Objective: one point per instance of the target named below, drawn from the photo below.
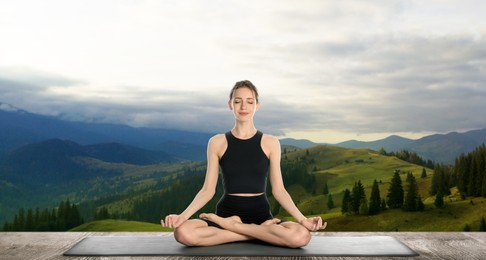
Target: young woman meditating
(247, 158)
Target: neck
(244, 130)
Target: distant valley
(20, 128)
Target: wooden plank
(430, 245)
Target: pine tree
(330, 202)
(395, 192)
(482, 226)
(103, 213)
(383, 204)
(325, 190)
(439, 199)
(74, 217)
(382, 151)
(346, 203)
(467, 228)
(363, 207)
(410, 202)
(29, 221)
(424, 174)
(436, 179)
(20, 225)
(483, 187)
(375, 199)
(357, 195)
(420, 204)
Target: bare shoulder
(217, 144)
(270, 144)
(270, 139)
(216, 139)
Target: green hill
(340, 168)
(453, 217)
(111, 225)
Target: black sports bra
(244, 165)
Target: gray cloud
(354, 66)
(405, 83)
(391, 84)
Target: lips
(243, 113)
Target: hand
(173, 221)
(313, 224)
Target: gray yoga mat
(167, 246)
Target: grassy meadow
(111, 225)
(340, 168)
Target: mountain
(447, 147)
(392, 143)
(301, 143)
(48, 162)
(443, 148)
(19, 128)
(56, 160)
(119, 153)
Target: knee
(300, 238)
(185, 236)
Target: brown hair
(244, 84)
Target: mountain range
(442, 148)
(20, 128)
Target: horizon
(327, 71)
(12, 108)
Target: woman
(246, 157)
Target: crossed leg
(197, 233)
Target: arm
(278, 188)
(279, 191)
(208, 189)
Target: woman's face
(243, 104)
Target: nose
(243, 105)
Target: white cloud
(365, 67)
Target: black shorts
(251, 210)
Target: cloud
(409, 83)
(350, 66)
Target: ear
(230, 105)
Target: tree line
(64, 217)
(408, 156)
(408, 199)
(470, 173)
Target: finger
(169, 220)
(324, 225)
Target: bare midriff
(246, 194)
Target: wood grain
(430, 245)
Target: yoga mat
(168, 246)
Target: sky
(327, 71)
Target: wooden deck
(51, 245)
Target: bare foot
(271, 222)
(226, 223)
